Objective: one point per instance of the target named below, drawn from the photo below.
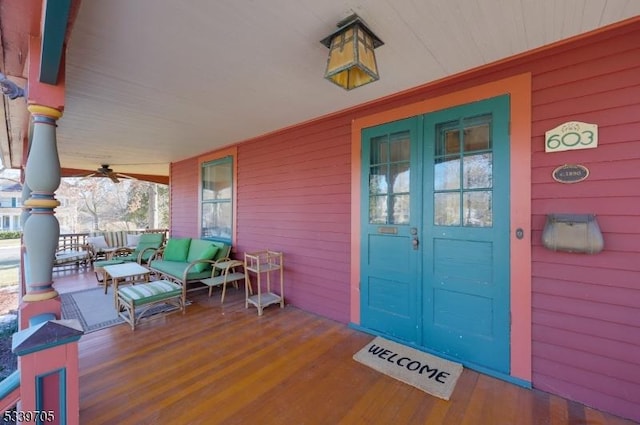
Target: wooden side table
(228, 273)
(263, 263)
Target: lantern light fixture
(352, 62)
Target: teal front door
(435, 227)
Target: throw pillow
(207, 254)
(132, 240)
(177, 249)
(97, 242)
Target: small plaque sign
(388, 230)
(571, 135)
(570, 173)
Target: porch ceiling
(152, 82)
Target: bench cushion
(149, 240)
(177, 268)
(70, 256)
(97, 242)
(102, 263)
(223, 250)
(177, 249)
(150, 292)
(132, 240)
(114, 238)
(201, 250)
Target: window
(389, 175)
(463, 173)
(217, 200)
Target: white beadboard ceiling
(150, 82)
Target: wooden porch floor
(224, 364)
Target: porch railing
(73, 240)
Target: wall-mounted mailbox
(572, 233)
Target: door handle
(414, 240)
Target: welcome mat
(429, 373)
(95, 310)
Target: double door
(435, 232)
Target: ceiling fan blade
(113, 178)
(126, 176)
(83, 176)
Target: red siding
(586, 326)
(184, 188)
(294, 195)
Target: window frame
(211, 159)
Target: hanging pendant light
(352, 62)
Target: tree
(89, 204)
(148, 205)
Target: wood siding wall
(294, 195)
(586, 308)
(184, 187)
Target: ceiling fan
(105, 171)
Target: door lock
(414, 240)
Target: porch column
(26, 212)
(41, 228)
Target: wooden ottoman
(143, 296)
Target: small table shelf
(263, 263)
(228, 273)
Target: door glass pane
(463, 164)
(477, 208)
(378, 209)
(447, 173)
(389, 174)
(477, 138)
(379, 150)
(449, 142)
(477, 171)
(400, 147)
(446, 209)
(400, 209)
(378, 180)
(399, 177)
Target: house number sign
(571, 136)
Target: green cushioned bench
(145, 296)
(187, 260)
